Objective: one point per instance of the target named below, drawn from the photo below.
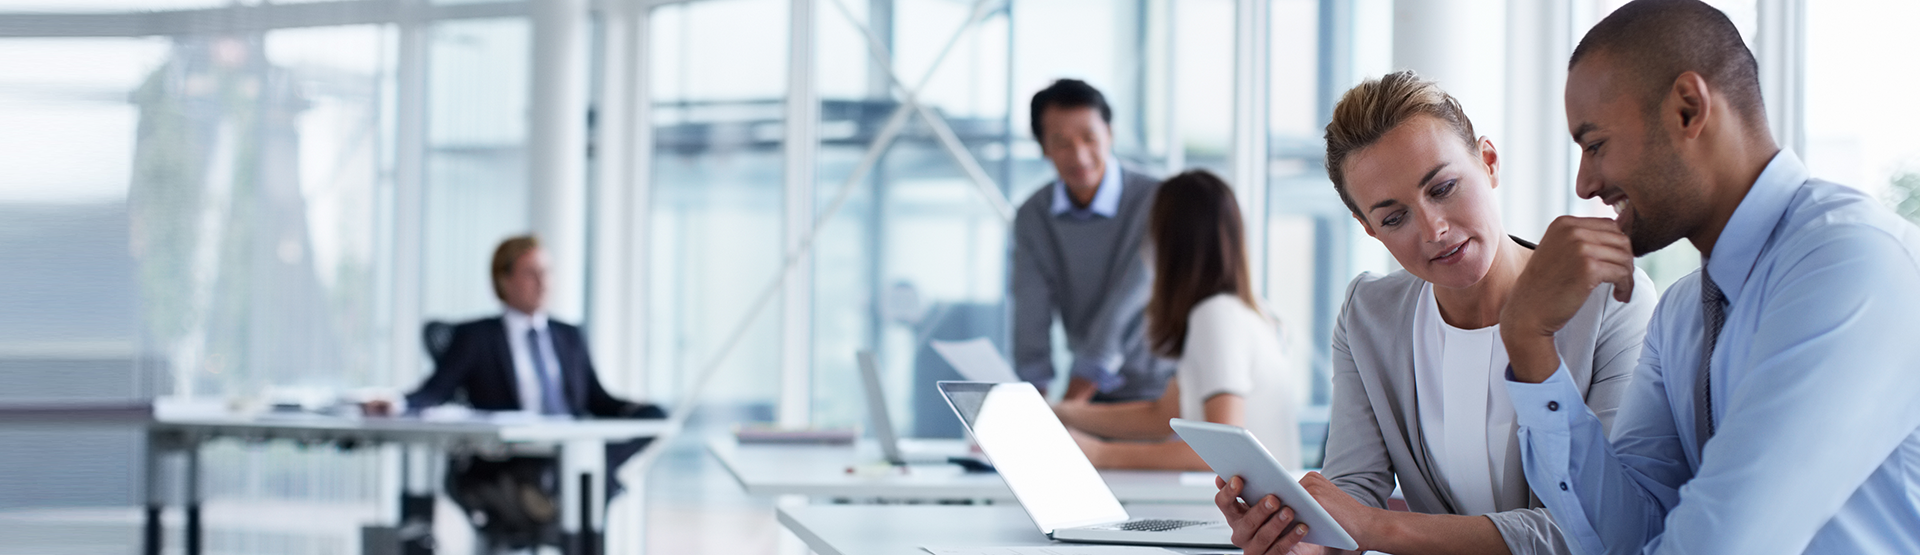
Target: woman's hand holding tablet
(1283, 514)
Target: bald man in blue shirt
(1776, 405)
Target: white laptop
(1052, 479)
(883, 422)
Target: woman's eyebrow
(1430, 173)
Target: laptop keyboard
(1156, 524)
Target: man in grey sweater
(1077, 253)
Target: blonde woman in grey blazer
(1417, 359)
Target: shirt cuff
(1104, 378)
(1546, 414)
(1548, 404)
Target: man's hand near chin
(1575, 256)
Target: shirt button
(1553, 406)
(1563, 486)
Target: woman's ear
(1491, 158)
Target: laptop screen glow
(1031, 449)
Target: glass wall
(1308, 228)
(70, 309)
(201, 215)
(476, 191)
(716, 222)
(1859, 110)
(917, 252)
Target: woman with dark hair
(1231, 369)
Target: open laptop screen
(877, 408)
(1031, 449)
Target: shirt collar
(1747, 232)
(1106, 201)
(518, 322)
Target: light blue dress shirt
(1816, 395)
(1106, 200)
(1105, 374)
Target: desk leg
(583, 502)
(195, 537)
(156, 493)
(416, 500)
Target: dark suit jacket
(478, 365)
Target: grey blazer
(1375, 434)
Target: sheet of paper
(1051, 550)
(976, 359)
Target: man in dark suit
(509, 363)
(522, 361)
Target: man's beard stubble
(1669, 199)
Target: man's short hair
(505, 255)
(1367, 112)
(1068, 93)
(1654, 41)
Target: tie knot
(1709, 291)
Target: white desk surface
(821, 471)
(904, 529)
(209, 419)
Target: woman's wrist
(1377, 527)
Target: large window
(716, 235)
(1859, 110)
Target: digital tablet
(1233, 451)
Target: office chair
(494, 494)
(437, 336)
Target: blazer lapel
(506, 376)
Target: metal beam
(244, 18)
(983, 184)
(802, 140)
(1782, 55)
(1250, 100)
(607, 278)
(557, 148)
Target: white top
(525, 378)
(1460, 378)
(1232, 348)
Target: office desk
(820, 471)
(181, 428)
(904, 529)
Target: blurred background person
(1231, 369)
(522, 361)
(1075, 243)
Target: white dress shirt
(1816, 395)
(526, 377)
(1459, 375)
(1232, 348)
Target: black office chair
(437, 336)
(504, 514)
